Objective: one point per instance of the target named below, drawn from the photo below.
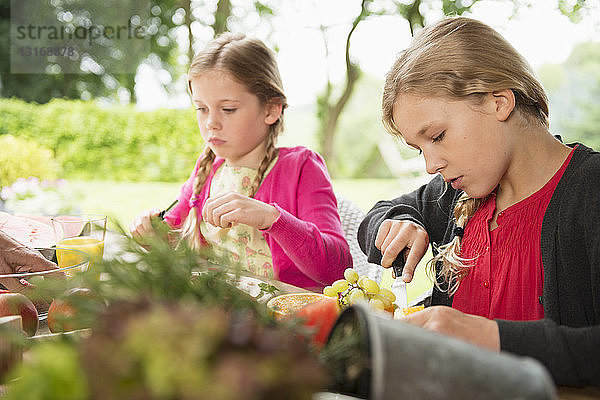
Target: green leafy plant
(174, 328)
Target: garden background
(118, 143)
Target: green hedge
(91, 141)
(21, 158)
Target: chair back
(351, 216)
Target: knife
(398, 285)
(161, 214)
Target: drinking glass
(80, 232)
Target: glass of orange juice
(80, 232)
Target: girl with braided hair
(512, 213)
(270, 209)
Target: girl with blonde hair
(511, 213)
(271, 210)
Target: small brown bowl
(284, 305)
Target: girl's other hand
(396, 236)
(233, 208)
(141, 226)
(474, 329)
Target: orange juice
(91, 246)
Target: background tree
(179, 28)
(164, 22)
(329, 106)
(574, 92)
(334, 99)
(99, 82)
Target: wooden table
(569, 393)
(564, 393)
(285, 288)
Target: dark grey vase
(383, 359)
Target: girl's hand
(474, 329)
(141, 226)
(233, 208)
(396, 236)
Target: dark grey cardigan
(567, 340)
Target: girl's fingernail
(406, 277)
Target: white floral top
(244, 245)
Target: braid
(203, 169)
(454, 267)
(189, 229)
(252, 64)
(270, 154)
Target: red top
(507, 276)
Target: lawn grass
(122, 201)
(420, 283)
(366, 192)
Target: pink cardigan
(307, 243)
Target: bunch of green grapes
(354, 288)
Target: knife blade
(398, 286)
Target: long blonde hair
(462, 59)
(250, 62)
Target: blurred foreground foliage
(91, 141)
(170, 327)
